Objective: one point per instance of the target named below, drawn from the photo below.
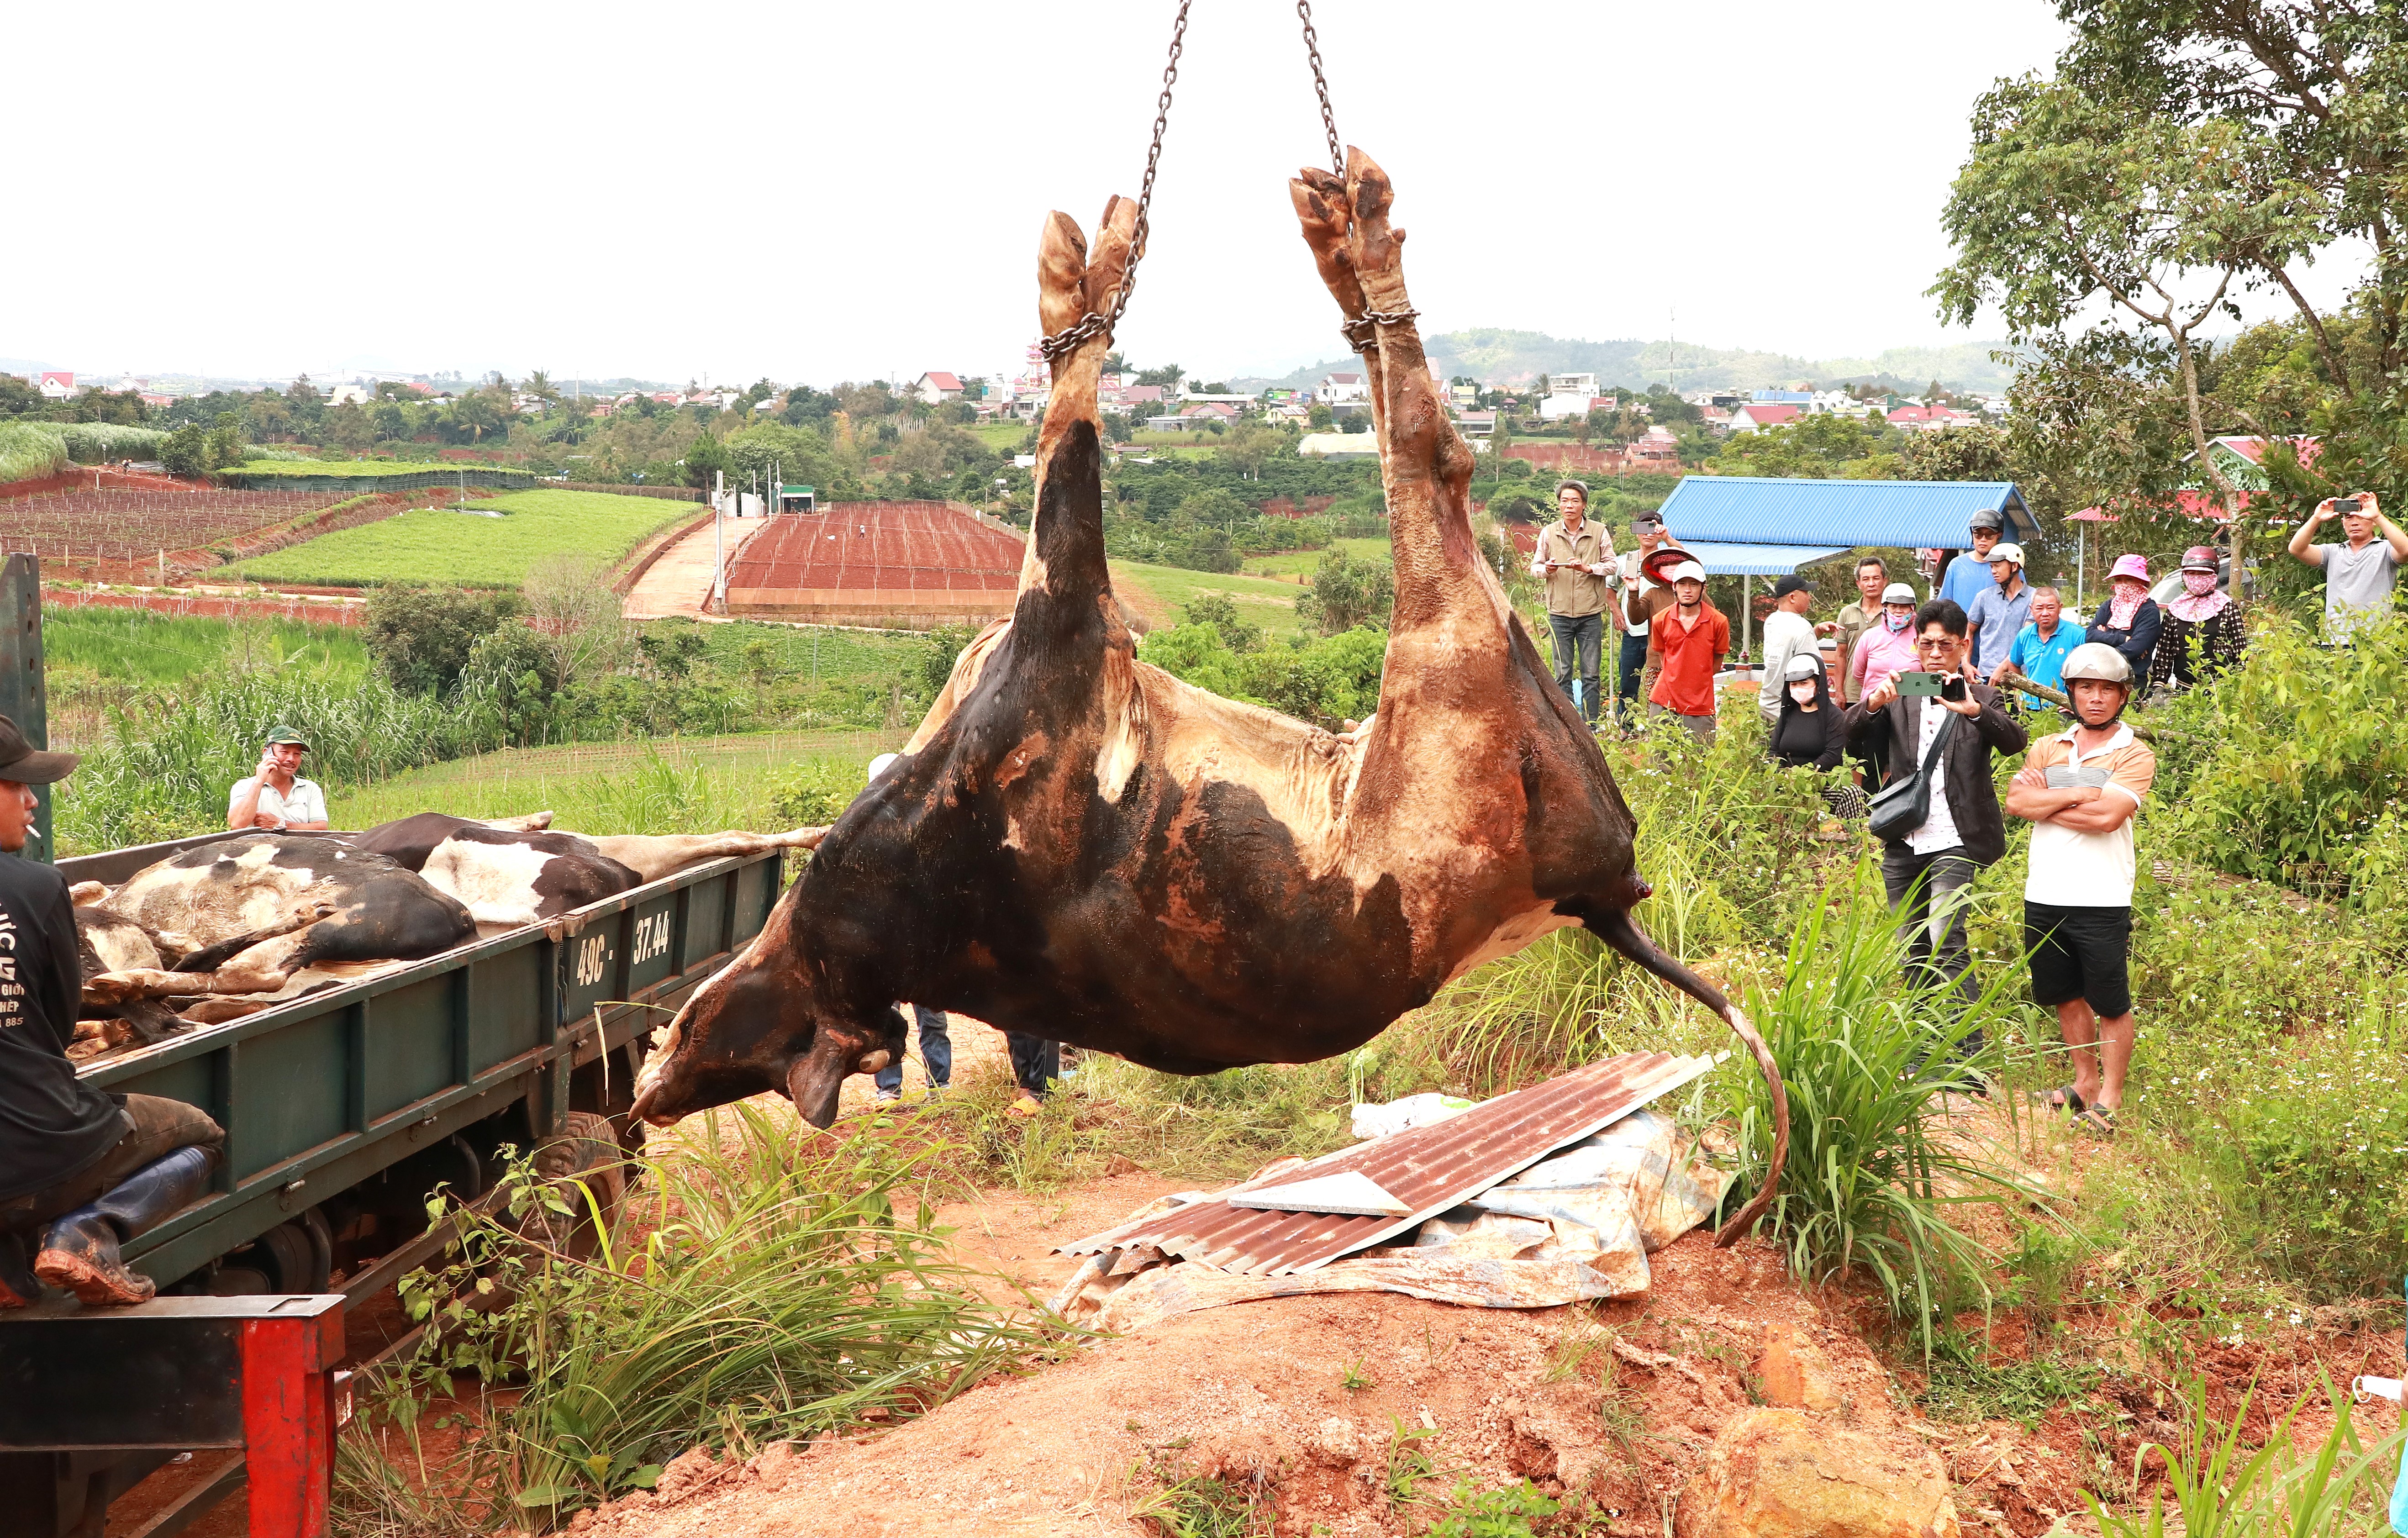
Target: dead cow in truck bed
(514, 871)
(257, 910)
(1079, 846)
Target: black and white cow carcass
(510, 872)
(253, 911)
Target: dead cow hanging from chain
(1078, 845)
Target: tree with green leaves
(704, 458)
(1348, 591)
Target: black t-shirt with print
(53, 1125)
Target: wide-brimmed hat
(2134, 566)
(2199, 558)
(1663, 560)
(1898, 592)
(28, 765)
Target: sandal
(2063, 1098)
(2098, 1121)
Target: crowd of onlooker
(1918, 693)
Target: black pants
(1930, 891)
(1634, 664)
(1580, 636)
(159, 1128)
(1035, 1062)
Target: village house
(1339, 389)
(936, 388)
(1930, 419)
(58, 386)
(1756, 416)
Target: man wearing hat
(276, 797)
(1970, 573)
(1639, 596)
(1574, 558)
(1998, 613)
(1788, 633)
(1685, 650)
(79, 1170)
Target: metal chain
(1320, 88)
(1090, 323)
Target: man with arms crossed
(2079, 790)
(2359, 572)
(276, 797)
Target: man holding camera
(2079, 789)
(1928, 868)
(1574, 558)
(2358, 573)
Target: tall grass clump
(1866, 1056)
(29, 451)
(757, 1287)
(2282, 1490)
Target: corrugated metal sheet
(1721, 559)
(1430, 1169)
(1916, 514)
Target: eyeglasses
(1926, 643)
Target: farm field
(357, 466)
(1293, 562)
(1002, 436)
(128, 526)
(692, 784)
(471, 548)
(1159, 592)
(96, 658)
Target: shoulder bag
(1905, 804)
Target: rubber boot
(79, 1253)
(18, 1288)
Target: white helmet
(1805, 665)
(1898, 592)
(2095, 659)
(1685, 572)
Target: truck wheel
(288, 1258)
(587, 1150)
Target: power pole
(718, 545)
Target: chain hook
(1320, 88)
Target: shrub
(1347, 592)
(420, 637)
(817, 793)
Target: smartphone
(1954, 688)
(1926, 685)
(2346, 504)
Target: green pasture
(265, 467)
(693, 784)
(1289, 563)
(1161, 592)
(1002, 436)
(471, 548)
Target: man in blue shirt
(1970, 573)
(2041, 646)
(2000, 611)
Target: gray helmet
(2096, 659)
(1985, 518)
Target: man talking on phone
(276, 797)
(2358, 573)
(1928, 869)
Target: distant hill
(1519, 357)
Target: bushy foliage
(816, 793)
(1348, 591)
(1326, 681)
(420, 637)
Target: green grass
(1002, 436)
(137, 646)
(361, 466)
(1160, 592)
(443, 546)
(1291, 562)
(681, 785)
(801, 652)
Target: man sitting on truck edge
(276, 797)
(96, 1169)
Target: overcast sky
(816, 191)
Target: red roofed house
(55, 386)
(1756, 416)
(1926, 418)
(936, 389)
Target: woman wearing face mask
(2202, 634)
(1810, 733)
(2130, 620)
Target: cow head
(762, 1023)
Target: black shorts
(2080, 953)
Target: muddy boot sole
(93, 1286)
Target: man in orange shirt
(1686, 647)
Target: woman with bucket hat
(2130, 620)
(2202, 634)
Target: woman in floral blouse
(2202, 635)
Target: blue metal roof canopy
(1767, 511)
(1728, 560)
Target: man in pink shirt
(1885, 649)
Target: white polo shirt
(2075, 869)
(304, 803)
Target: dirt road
(679, 580)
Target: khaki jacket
(1572, 593)
(1853, 620)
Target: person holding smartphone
(1929, 871)
(2360, 571)
(1575, 556)
(276, 797)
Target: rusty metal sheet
(1429, 1169)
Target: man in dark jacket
(82, 1170)
(1929, 871)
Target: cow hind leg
(652, 855)
(210, 958)
(1615, 928)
